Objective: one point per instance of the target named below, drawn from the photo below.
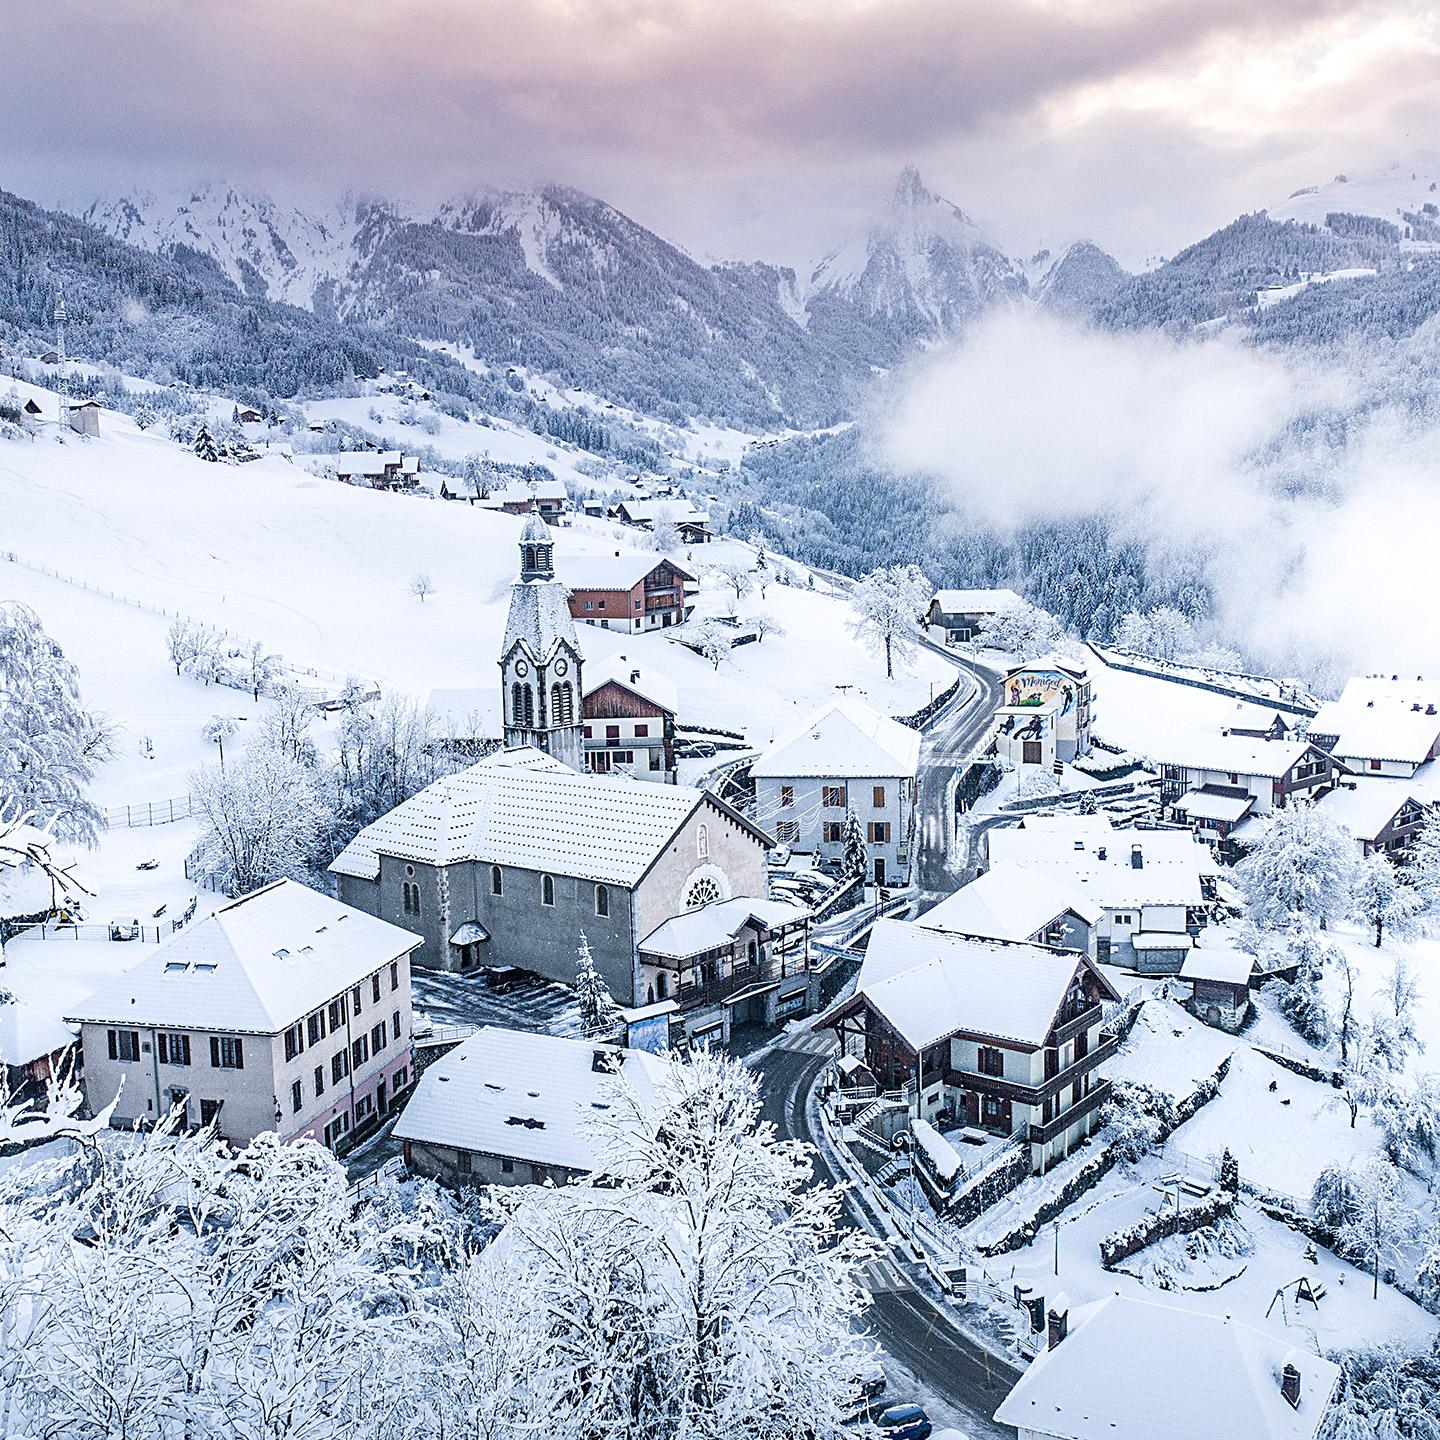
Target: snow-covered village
(760, 807)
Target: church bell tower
(540, 660)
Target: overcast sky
(737, 127)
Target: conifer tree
(600, 1017)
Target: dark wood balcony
(1025, 1093)
(1067, 1030)
(1040, 1134)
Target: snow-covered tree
(736, 574)
(384, 754)
(1383, 1221)
(1302, 866)
(263, 815)
(1381, 900)
(285, 726)
(1025, 631)
(665, 536)
(888, 605)
(855, 858)
(1423, 866)
(204, 446)
(764, 623)
(421, 585)
(261, 668)
(50, 744)
(1386, 1393)
(217, 730)
(708, 637)
(145, 415)
(600, 1017)
(182, 641)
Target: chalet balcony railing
(1040, 1134)
(1028, 1094)
(726, 987)
(1069, 1029)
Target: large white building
(284, 1010)
(1150, 884)
(1129, 1369)
(845, 757)
(1381, 725)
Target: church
(509, 862)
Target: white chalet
(846, 756)
(1216, 781)
(1381, 726)
(1011, 902)
(1381, 815)
(1150, 884)
(1005, 1037)
(1126, 1369)
(284, 1010)
(509, 1107)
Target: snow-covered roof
(1364, 806)
(1133, 1369)
(682, 512)
(516, 1093)
(461, 712)
(930, 984)
(1208, 803)
(976, 602)
(1218, 963)
(258, 964)
(613, 572)
(542, 816)
(1161, 940)
(1378, 729)
(535, 531)
(1100, 862)
(1399, 690)
(844, 739)
(28, 1034)
(1066, 664)
(717, 924)
(644, 680)
(1234, 754)
(539, 616)
(523, 491)
(1009, 902)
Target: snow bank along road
(907, 1323)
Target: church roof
(539, 616)
(534, 531)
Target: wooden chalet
(993, 1036)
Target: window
(878, 832)
(394, 975)
(315, 1027)
(377, 1038)
(375, 987)
(589, 732)
(402, 1078)
(497, 880)
(210, 1111)
(410, 897)
(991, 1060)
(877, 797)
(702, 892)
(337, 1013)
(507, 1165)
(359, 1051)
(1122, 919)
(602, 900)
(612, 732)
(834, 797)
(642, 732)
(589, 604)
(355, 1001)
(227, 1052)
(339, 1066)
(297, 1097)
(655, 759)
(787, 796)
(787, 832)
(364, 1107)
(294, 1040)
(336, 1130)
(319, 1081)
(395, 1025)
(547, 889)
(124, 1044)
(601, 604)
(832, 832)
(702, 842)
(562, 704)
(1375, 764)
(991, 1110)
(173, 1049)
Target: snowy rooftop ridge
(644, 680)
(717, 924)
(976, 602)
(846, 738)
(1135, 1370)
(1009, 902)
(613, 572)
(256, 965)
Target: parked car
(903, 1422)
(780, 855)
(866, 1390)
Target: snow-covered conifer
(600, 1017)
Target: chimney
(1137, 858)
(1100, 852)
(1059, 1327)
(1290, 1386)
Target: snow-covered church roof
(846, 739)
(1133, 1369)
(539, 617)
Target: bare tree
(421, 585)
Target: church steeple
(540, 660)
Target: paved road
(950, 742)
(912, 1329)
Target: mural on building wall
(1038, 687)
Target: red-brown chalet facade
(985, 1034)
(629, 713)
(631, 593)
